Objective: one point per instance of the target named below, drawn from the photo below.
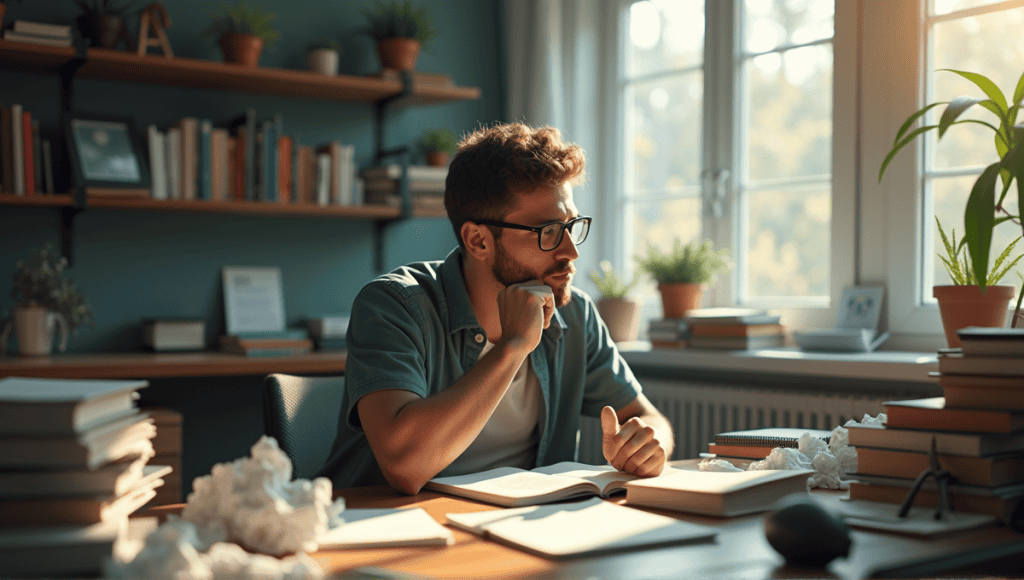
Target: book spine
(250, 154)
(37, 158)
(18, 147)
(29, 153)
(60, 31)
(157, 160)
(284, 169)
(323, 179)
(174, 162)
(7, 148)
(204, 184)
(48, 167)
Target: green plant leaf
(910, 121)
(985, 85)
(979, 218)
(956, 108)
(1018, 93)
(896, 148)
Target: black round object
(806, 535)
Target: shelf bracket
(67, 73)
(380, 154)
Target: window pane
(967, 44)
(788, 242)
(664, 35)
(789, 99)
(665, 132)
(661, 222)
(950, 195)
(940, 7)
(769, 24)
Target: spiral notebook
(758, 443)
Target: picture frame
(861, 307)
(106, 157)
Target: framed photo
(861, 307)
(105, 156)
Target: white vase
(622, 315)
(323, 61)
(35, 327)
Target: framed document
(253, 300)
(105, 156)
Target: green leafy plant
(959, 267)
(696, 262)
(240, 18)
(40, 281)
(609, 285)
(438, 140)
(106, 7)
(325, 45)
(398, 19)
(984, 210)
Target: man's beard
(508, 271)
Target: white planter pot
(323, 61)
(622, 315)
(35, 327)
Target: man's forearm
(428, 434)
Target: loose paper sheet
(253, 300)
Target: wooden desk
(740, 550)
(149, 365)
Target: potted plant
(962, 304)
(242, 32)
(101, 20)
(438, 145)
(400, 31)
(44, 300)
(984, 210)
(618, 310)
(322, 57)
(684, 273)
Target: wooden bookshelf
(102, 63)
(244, 207)
(147, 365)
(44, 200)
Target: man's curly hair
(494, 164)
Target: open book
(575, 529)
(372, 528)
(513, 487)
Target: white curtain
(558, 76)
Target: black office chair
(302, 414)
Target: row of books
(719, 328)
(977, 427)
(26, 161)
(39, 33)
(74, 463)
(426, 186)
(250, 160)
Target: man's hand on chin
(631, 447)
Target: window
(727, 134)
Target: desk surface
(740, 550)
(147, 365)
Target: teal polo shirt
(414, 329)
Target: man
(490, 357)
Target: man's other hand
(632, 446)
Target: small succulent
(398, 19)
(240, 18)
(609, 284)
(40, 282)
(438, 140)
(106, 7)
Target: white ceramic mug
(34, 327)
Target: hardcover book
(958, 363)
(63, 406)
(717, 493)
(986, 471)
(933, 413)
(969, 444)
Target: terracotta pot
(437, 159)
(622, 315)
(241, 49)
(35, 327)
(101, 29)
(963, 306)
(323, 61)
(678, 297)
(398, 53)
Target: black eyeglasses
(549, 236)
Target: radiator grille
(698, 411)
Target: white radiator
(698, 411)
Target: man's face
(517, 256)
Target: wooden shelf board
(243, 207)
(45, 200)
(144, 365)
(28, 57)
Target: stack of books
(382, 185)
(734, 328)
(74, 460)
(26, 163)
(284, 343)
(39, 33)
(668, 333)
(756, 444)
(329, 332)
(978, 429)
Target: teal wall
(133, 265)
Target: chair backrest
(302, 413)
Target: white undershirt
(511, 434)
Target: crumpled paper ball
(252, 501)
(830, 461)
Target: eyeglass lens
(551, 235)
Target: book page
(589, 526)
(605, 477)
(510, 483)
(367, 528)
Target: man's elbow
(403, 475)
